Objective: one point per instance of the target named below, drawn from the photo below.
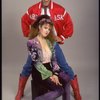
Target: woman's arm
(35, 55)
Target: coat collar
(36, 42)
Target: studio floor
(88, 81)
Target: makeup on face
(45, 29)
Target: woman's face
(44, 30)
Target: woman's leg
(65, 80)
(23, 78)
(54, 91)
(66, 94)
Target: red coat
(62, 20)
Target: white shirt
(46, 55)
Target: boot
(22, 83)
(75, 87)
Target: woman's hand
(55, 79)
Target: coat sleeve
(25, 24)
(68, 25)
(26, 20)
(35, 55)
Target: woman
(40, 47)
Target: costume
(45, 70)
(60, 18)
(63, 20)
